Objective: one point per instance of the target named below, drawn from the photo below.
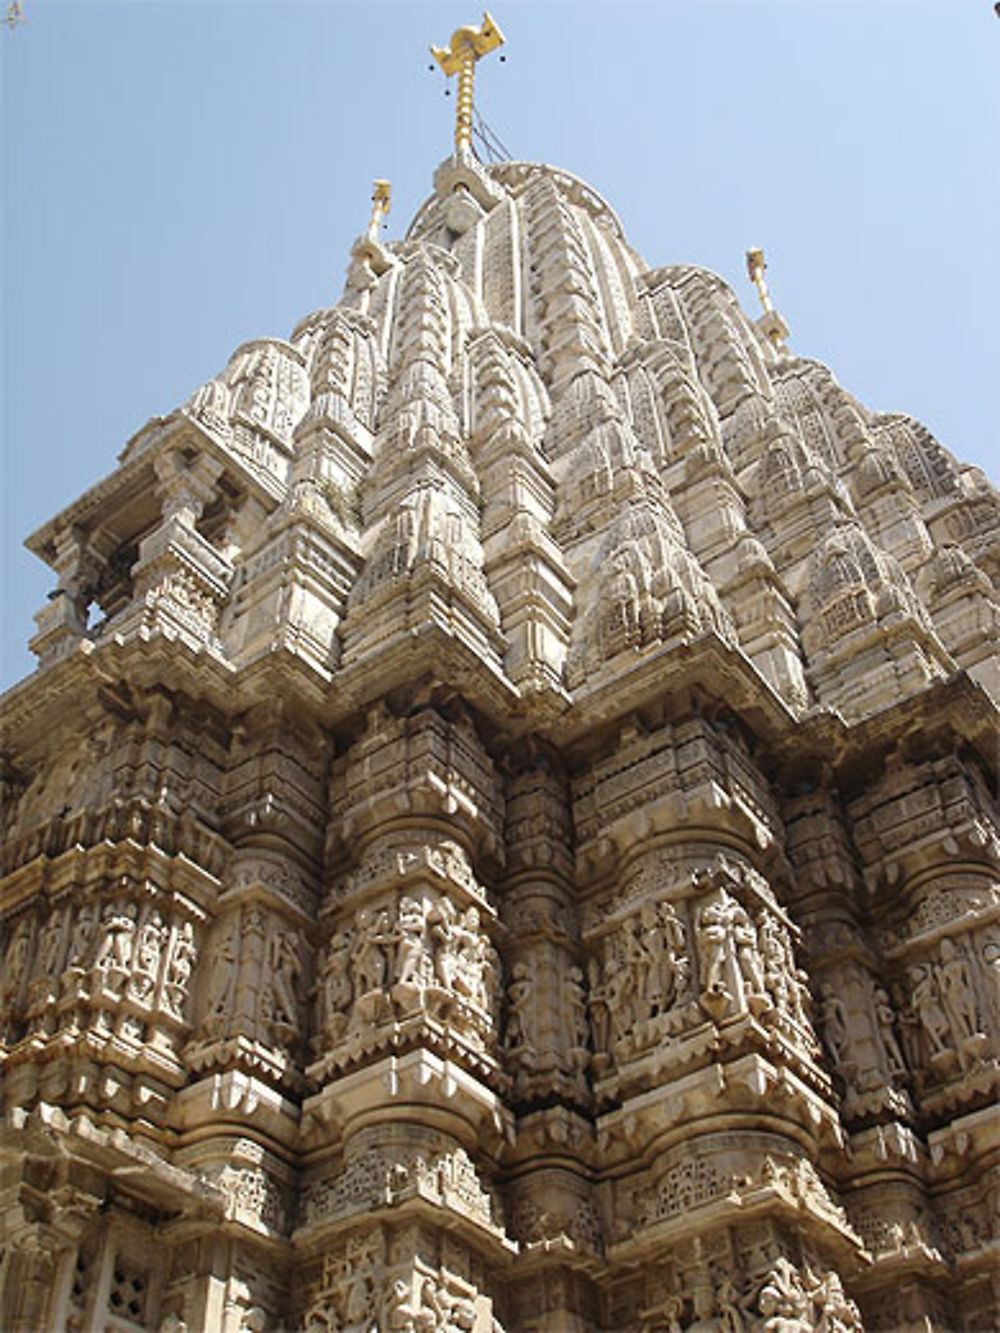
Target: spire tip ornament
(770, 323)
(381, 198)
(467, 45)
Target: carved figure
(286, 968)
(520, 992)
(776, 968)
(834, 1022)
(619, 985)
(16, 964)
(713, 940)
(411, 953)
(49, 944)
(600, 1013)
(224, 957)
(336, 990)
(747, 955)
(730, 1315)
(358, 1298)
(467, 957)
(114, 954)
(885, 1018)
(834, 1312)
(146, 963)
(927, 1007)
(180, 966)
(82, 936)
(368, 964)
(576, 1004)
(783, 1303)
(957, 996)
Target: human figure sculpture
(335, 990)
(146, 964)
(834, 1312)
(957, 996)
(520, 992)
(619, 984)
(411, 953)
(16, 964)
(927, 1007)
(368, 963)
(833, 1019)
(223, 967)
(177, 981)
(783, 1302)
(885, 1017)
(468, 957)
(600, 1014)
(730, 1315)
(576, 1005)
(441, 923)
(286, 968)
(82, 936)
(114, 954)
(713, 938)
(747, 955)
(49, 946)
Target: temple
(502, 836)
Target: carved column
(409, 1108)
(552, 1207)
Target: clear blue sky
(181, 176)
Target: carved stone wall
(503, 834)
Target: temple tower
(503, 832)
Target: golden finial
(770, 324)
(459, 57)
(380, 206)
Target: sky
(180, 176)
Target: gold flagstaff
(771, 324)
(381, 195)
(467, 45)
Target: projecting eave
(124, 500)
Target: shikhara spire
(503, 833)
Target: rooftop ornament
(467, 45)
(770, 323)
(381, 195)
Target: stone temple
(502, 835)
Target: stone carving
(731, 970)
(520, 996)
(225, 954)
(639, 990)
(944, 1015)
(418, 954)
(792, 1302)
(180, 967)
(284, 950)
(150, 939)
(114, 953)
(529, 600)
(858, 1024)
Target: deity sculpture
(177, 981)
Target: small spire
(467, 45)
(381, 195)
(770, 323)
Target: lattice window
(129, 1288)
(82, 1275)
